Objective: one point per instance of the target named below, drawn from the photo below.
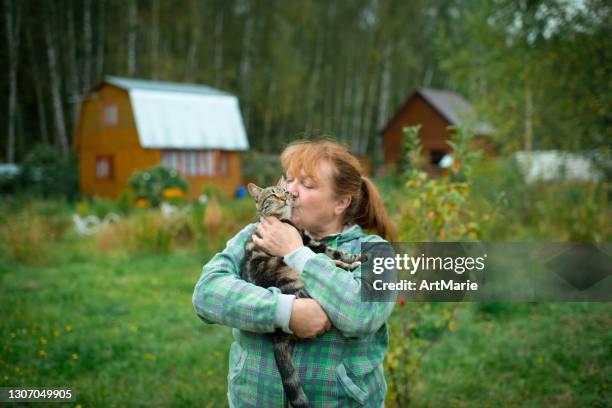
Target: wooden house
(434, 110)
(126, 125)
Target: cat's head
(275, 201)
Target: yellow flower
(43, 341)
(68, 328)
(173, 192)
(42, 353)
(210, 373)
(13, 335)
(452, 326)
(56, 332)
(17, 369)
(150, 356)
(134, 328)
(75, 356)
(6, 377)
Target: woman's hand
(308, 319)
(277, 238)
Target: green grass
(120, 330)
(541, 354)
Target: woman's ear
(342, 204)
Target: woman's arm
(339, 292)
(221, 296)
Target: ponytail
(370, 212)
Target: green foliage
(45, 173)
(535, 70)
(414, 329)
(156, 183)
(260, 168)
(438, 209)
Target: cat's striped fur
(265, 270)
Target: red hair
(367, 208)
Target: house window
(110, 115)
(190, 163)
(435, 156)
(104, 167)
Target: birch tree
(12, 12)
(132, 28)
(58, 109)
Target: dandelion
(68, 328)
(75, 356)
(56, 332)
(452, 326)
(78, 406)
(150, 357)
(43, 341)
(17, 369)
(42, 353)
(134, 328)
(6, 377)
(210, 373)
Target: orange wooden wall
(433, 133)
(121, 141)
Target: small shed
(434, 110)
(126, 125)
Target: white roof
(548, 165)
(182, 116)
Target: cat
(265, 270)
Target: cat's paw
(364, 257)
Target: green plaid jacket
(341, 368)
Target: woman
(344, 341)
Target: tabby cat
(265, 270)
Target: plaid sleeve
(221, 296)
(339, 294)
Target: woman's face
(316, 207)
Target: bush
(157, 184)
(45, 173)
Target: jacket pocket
(236, 369)
(350, 387)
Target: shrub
(45, 173)
(157, 184)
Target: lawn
(120, 330)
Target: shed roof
(456, 110)
(182, 116)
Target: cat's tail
(288, 373)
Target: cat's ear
(282, 182)
(254, 191)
